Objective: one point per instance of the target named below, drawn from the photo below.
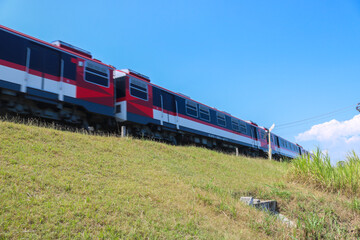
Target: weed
(228, 211)
(283, 194)
(314, 225)
(355, 204)
(266, 224)
(207, 201)
(68, 188)
(317, 169)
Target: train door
(276, 143)
(279, 143)
(44, 69)
(169, 112)
(254, 135)
(35, 62)
(263, 140)
(52, 72)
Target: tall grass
(317, 169)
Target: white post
(269, 136)
(123, 131)
(61, 83)
(237, 151)
(25, 82)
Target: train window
(69, 70)
(36, 58)
(118, 109)
(191, 108)
(267, 137)
(277, 141)
(253, 132)
(96, 73)
(12, 48)
(52, 62)
(45, 60)
(120, 87)
(262, 134)
(204, 113)
(138, 89)
(156, 92)
(242, 127)
(168, 101)
(235, 124)
(221, 119)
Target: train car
(282, 147)
(57, 81)
(152, 111)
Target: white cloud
(337, 137)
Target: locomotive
(65, 83)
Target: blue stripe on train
(43, 94)
(132, 117)
(9, 85)
(90, 106)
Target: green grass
(344, 177)
(72, 185)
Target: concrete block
(267, 205)
(247, 200)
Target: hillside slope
(58, 184)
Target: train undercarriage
(17, 103)
(170, 136)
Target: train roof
(60, 46)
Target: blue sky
(265, 61)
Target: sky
(266, 61)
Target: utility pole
(269, 136)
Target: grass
(73, 185)
(344, 177)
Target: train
(62, 82)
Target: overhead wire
(315, 118)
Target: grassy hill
(57, 184)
